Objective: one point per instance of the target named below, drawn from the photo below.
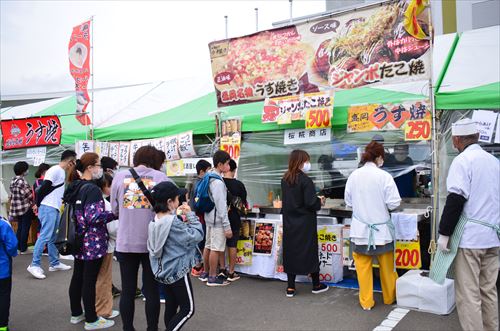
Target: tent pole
(435, 149)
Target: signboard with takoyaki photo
(264, 238)
(385, 43)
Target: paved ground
(248, 304)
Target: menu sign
(372, 45)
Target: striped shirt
(21, 196)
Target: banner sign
(79, 67)
(409, 116)
(30, 132)
(186, 145)
(330, 253)
(36, 154)
(231, 137)
(102, 148)
(315, 108)
(83, 146)
(244, 252)
(371, 45)
(305, 136)
(123, 154)
(485, 120)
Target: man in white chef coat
(470, 227)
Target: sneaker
(367, 309)
(320, 289)
(217, 281)
(114, 313)
(25, 252)
(101, 323)
(223, 273)
(45, 254)
(290, 292)
(138, 293)
(163, 300)
(203, 276)
(77, 319)
(196, 272)
(115, 291)
(60, 267)
(233, 277)
(37, 272)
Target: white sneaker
(101, 323)
(114, 313)
(77, 319)
(37, 272)
(60, 266)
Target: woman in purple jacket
(91, 231)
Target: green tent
(471, 77)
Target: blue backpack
(202, 201)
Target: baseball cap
(166, 190)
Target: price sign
(418, 130)
(231, 146)
(408, 255)
(318, 118)
(244, 252)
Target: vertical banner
(101, 148)
(84, 146)
(114, 150)
(231, 137)
(79, 66)
(123, 154)
(186, 146)
(330, 253)
(171, 148)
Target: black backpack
(68, 242)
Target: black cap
(378, 138)
(166, 190)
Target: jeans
(179, 306)
(49, 219)
(82, 286)
(129, 268)
(5, 289)
(23, 230)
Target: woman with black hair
(91, 218)
(21, 202)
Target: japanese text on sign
(391, 116)
(244, 252)
(29, 132)
(297, 106)
(330, 253)
(306, 136)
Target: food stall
(330, 86)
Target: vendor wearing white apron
(469, 230)
(372, 192)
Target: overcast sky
(135, 41)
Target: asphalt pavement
(247, 304)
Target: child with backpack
(8, 250)
(172, 245)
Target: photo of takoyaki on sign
(264, 238)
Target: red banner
(79, 66)
(30, 132)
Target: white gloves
(443, 243)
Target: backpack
(68, 242)
(202, 201)
(39, 197)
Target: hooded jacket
(173, 246)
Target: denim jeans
(49, 219)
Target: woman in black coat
(300, 237)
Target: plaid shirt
(21, 196)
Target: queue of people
(171, 233)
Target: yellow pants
(388, 278)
